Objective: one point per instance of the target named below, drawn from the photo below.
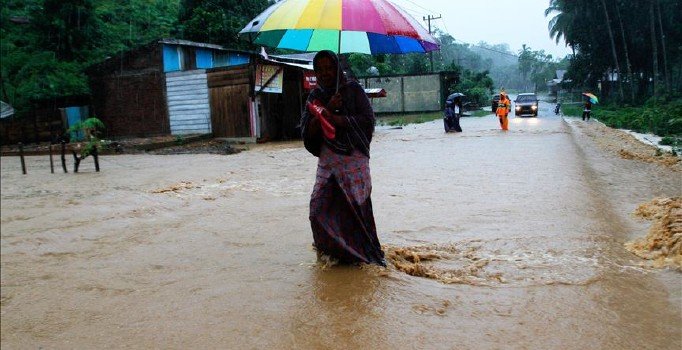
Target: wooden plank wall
(229, 100)
(188, 102)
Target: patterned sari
(341, 214)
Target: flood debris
(439, 309)
(663, 243)
(421, 261)
(665, 159)
(179, 187)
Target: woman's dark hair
(325, 53)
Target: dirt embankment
(628, 147)
(663, 243)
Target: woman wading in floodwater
(337, 127)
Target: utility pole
(428, 19)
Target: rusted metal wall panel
(188, 102)
(131, 105)
(128, 94)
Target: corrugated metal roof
(6, 110)
(172, 41)
(298, 65)
(298, 57)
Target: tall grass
(658, 116)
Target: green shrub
(91, 128)
(668, 141)
(656, 116)
(572, 110)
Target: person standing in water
(502, 112)
(337, 127)
(453, 111)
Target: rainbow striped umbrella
(594, 99)
(342, 26)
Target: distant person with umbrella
(453, 111)
(337, 128)
(589, 100)
(503, 108)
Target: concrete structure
(410, 93)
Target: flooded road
(521, 235)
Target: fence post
(51, 160)
(76, 161)
(64, 156)
(95, 156)
(21, 155)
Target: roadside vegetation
(660, 117)
(626, 52)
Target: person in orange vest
(503, 108)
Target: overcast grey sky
(515, 22)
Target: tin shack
(179, 87)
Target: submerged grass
(404, 119)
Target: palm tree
(665, 55)
(613, 50)
(654, 46)
(562, 24)
(631, 77)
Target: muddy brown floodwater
(495, 240)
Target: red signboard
(309, 80)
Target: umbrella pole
(338, 64)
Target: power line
(423, 8)
(493, 50)
(413, 11)
(481, 47)
(429, 18)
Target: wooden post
(76, 161)
(51, 160)
(21, 155)
(95, 156)
(64, 156)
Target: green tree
(45, 45)
(218, 21)
(647, 30)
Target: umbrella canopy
(455, 95)
(342, 26)
(592, 97)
